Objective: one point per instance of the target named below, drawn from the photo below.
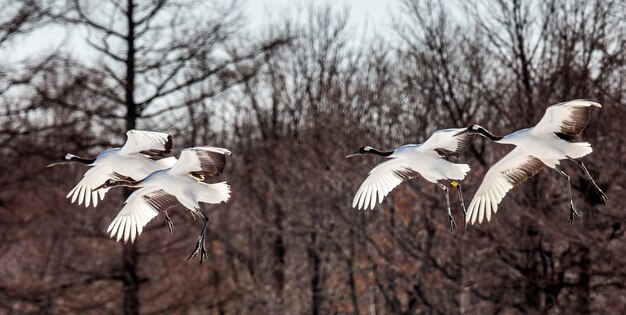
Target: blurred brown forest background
(290, 101)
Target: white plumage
(165, 188)
(141, 155)
(409, 161)
(545, 144)
(499, 180)
(406, 162)
(136, 213)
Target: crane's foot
(603, 196)
(452, 223)
(572, 212)
(200, 250)
(170, 225)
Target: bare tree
(160, 50)
(291, 105)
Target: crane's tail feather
(215, 193)
(579, 149)
(457, 171)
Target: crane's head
(108, 184)
(473, 129)
(477, 129)
(68, 158)
(362, 150)
(115, 183)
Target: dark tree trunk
(130, 256)
(583, 297)
(532, 292)
(131, 282)
(315, 265)
(351, 274)
(279, 249)
(131, 107)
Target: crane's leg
(200, 249)
(452, 223)
(170, 225)
(459, 190)
(584, 168)
(572, 209)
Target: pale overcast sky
(361, 11)
(373, 15)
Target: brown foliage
(290, 106)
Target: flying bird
(545, 144)
(428, 159)
(163, 189)
(143, 153)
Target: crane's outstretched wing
(381, 180)
(155, 145)
(567, 120)
(94, 177)
(445, 143)
(140, 207)
(512, 170)
(98, 175)
(200, 162)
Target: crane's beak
(352, 154)
(55, 163)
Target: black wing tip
(212, 163)
(446, 153)
(565, 136)
(155, 154)
(524, 171)
(464, 142)
(218, 150)
(168, 144)
(576, 124)
(406, 174)
(160, 200)
(119, 176)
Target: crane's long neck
(127, 183)
(71, 158)
(485, 133)
(371, 150)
